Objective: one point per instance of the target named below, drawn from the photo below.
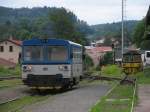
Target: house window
(10, 48)
(1, 48)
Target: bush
(87, 62)
(107, 59)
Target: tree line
(43, 22)
(141, 36)
(113, 30)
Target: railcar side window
(33, 53)
(57, 53)
(77, 52)
(148, 54)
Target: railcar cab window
(57, 53)
(33, 53)
(127, 58)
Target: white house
(10, 51)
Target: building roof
(100, 41)
(99, 49)
(88, 47)
(102, 49)
(16, 42)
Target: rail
(9, 78)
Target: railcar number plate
(45, 69)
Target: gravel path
(77, 100)
(144, 99)
(12, 93)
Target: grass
(9, 83)
(112, 71)
(108, 71)
(112, 102)
(116, 104)
(143, 77)
(121, 92)
(5, 72)
(16, 106)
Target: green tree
(138, 33)
(87, 62)
(65, 25)
(107, 59)
(25, 23)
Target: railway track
(13, 93)
(11, 100)
(9, 78)
(124, 80)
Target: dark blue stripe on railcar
(47, 42)
(45, 63)
(50, 42)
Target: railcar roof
(36, 41)
(132, 52)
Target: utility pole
(122, 27)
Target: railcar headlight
(27, 68)
(60, 67)
(63, 68)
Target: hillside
(42, 22)
(15, 15)
(113, 29)
(28, 22)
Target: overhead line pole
(122, 27)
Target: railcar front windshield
(45, 53)
(57, 53)
(33, 53)
(132, 58)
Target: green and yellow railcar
(132, 62)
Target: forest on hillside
(46, 22)
(113, 30)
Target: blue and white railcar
(51, 63)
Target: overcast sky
(91, 11)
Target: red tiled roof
(102, 49)
(17, 42)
